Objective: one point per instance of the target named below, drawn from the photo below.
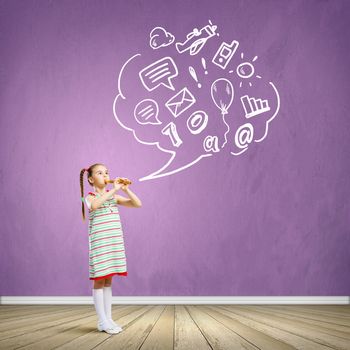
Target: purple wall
(271, 221)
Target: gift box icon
(180, 102)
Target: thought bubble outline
(274, 115)
(155, 174)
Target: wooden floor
(163, 327)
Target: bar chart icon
(254, 106)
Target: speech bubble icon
(159, 73)
(146, 112)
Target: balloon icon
(222, 93)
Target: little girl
(106, 243)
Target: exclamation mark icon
(194, 75)
(204, 65)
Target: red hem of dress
(111, 274)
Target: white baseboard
(149, 300)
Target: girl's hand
(117, 185)
(125, 187)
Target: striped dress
(106, 242)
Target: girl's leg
(108, 281)
(107, 297)
(99, 284)
(97, 292)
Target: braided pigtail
(89, 173)
(82, 191)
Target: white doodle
(159, 37)
(146, 112)
(159, 73)
(159, 173)
(204, 64)
(210, 144)
(197, 122)
(180, 102)
(194, 75)
(243, 137)
(120, 93)
(274, 115)
(246, 70)
(196, 39)
(253, 106)
(170, 130)
(120, 96)
(224, 54)
(222, 94)
(268, 121)
(163, 71)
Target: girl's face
(99, 175)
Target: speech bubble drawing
(159, 73)
(156, 124)
(174, 164)
(146, 112)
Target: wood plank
(318, 311)
(161, 336)
(91, 337)
(287, 319)
(338, 309)
(299, 328)
(332, 323)
(178, 327)
(187, 334)
(48, 319)
(61, 334)
(133, 337)
(258, 338)
(6, 308)
(217, 336)
(312, 312)
(289, 338)
(6, 315)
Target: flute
(120, 180)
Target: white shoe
(115, 325)
(108, 328)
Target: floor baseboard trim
(53, 300)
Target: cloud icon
(159, 37)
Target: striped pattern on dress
(106, 241)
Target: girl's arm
(97, 202)
(133, 201)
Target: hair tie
(82, 199)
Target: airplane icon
(196, 39)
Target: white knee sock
(107, 300)
(99, 305)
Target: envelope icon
(180, 102)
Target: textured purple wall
(272, 221)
